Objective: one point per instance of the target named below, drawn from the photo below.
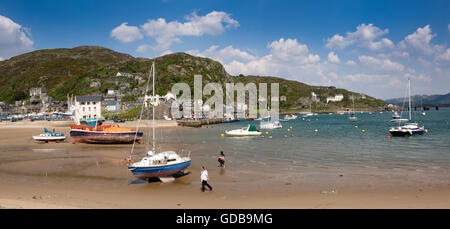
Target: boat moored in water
(410, 128)
(250, 130)
(271, 125)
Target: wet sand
(66, 175)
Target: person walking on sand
(221, 159)
(204, 178)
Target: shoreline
(65, 175)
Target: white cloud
(167, 52)
(287, 58)
(350, 63)
(420, 41)
(223, 55)
(284, 49)
(1, 58)
(142, 48)
(333, 58)
(444, 57)
(424, 62)
(14, 39)
(420, 77)
(368, 36)
(401, 54)
(166, 33)
(361, 77)
(126, 34)
(382, 64)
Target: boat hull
(49, 139)
(398, 133)
(159, 171)
(237, 134)
(98, 137)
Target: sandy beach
(66, 175)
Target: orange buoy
(389, 137)
(292, 135)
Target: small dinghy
(246, 131)
(49, 136)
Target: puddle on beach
(49, 150)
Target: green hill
(73, 71)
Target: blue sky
(366, 46)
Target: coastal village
(116, 101)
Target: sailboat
(352, 116)
(163, 165)
(410, 128)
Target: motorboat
(49, 136)
(250, 130)
(270, 125)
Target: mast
(153, 111)
(409, 96)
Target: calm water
(337, 144)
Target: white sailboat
(163, 165)
(352, 117)
(410, 128)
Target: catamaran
(410, 128)
(250, 130)
(163, 165)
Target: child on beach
(221, 159)
(204, 178)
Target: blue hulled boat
(162, 165)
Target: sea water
(331, 143)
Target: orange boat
(86, 127)
(112, 134)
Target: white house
(111, 92)
(170, 96)
(314, 97)
(336, 98)
(87, 107)
(149, 99)
(123, 74)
